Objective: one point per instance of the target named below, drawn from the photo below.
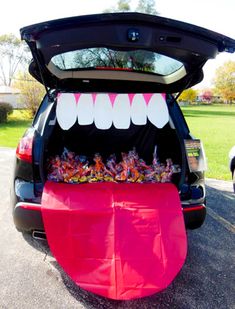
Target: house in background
(212, 99)
(11, 95)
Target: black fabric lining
(88, 140)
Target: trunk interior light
(24, 148)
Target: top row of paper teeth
(106, 110)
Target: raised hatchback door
(127, 50)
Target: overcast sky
(216, 15)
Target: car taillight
(24, 148)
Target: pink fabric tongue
(121, 241)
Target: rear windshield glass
(105, 58)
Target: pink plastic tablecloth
(121, 241)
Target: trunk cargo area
(120, 240)
(88, 140)
(128, 121)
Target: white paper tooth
(103, 112)
(85, 109)
(157, 111)
(66, 110)
(139, 110)
(122, 112)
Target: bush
(5, 110)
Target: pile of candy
(72, 168)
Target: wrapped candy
(123, 169)
(99, 171)
(111, 165)
(67, 168)
(72, 168)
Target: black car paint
(29, 178)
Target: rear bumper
(28, 216)
(194, 215)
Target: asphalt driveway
(31, 278)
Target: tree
(122, 6)
(144, 6)
(224, 81)
(136, 60)
(188, 95)
(31, 91)
(13, 54)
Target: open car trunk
(87, 140)
(118, 239)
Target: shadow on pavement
(40, 245)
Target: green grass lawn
(11, 132)
(215, 126)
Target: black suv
(144, 62)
